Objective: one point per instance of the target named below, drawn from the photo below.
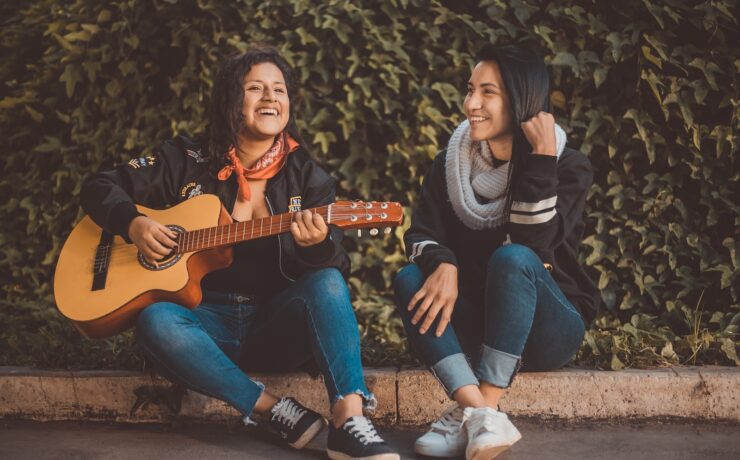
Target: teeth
(267, 112)
(477, 119)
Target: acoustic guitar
(101, 283)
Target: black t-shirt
(255, 270)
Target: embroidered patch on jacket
(190, 190)
(137, 163)
(197, 155)
(294, 204)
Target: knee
(513, 259)
(327, 283)
(406, 283)
(408, 280)
(158, 321)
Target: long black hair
(225, 118)
(527, 84)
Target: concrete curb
(405, 397)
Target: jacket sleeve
(109, 197)
(330, 252)
(549, 200)
(426, 237)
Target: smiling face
(266, 107)
(487, 104)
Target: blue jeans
(521, 318)
(207, 349)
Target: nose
(268, 94)
(472, 102)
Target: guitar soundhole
(168, 261)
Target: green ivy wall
(647, 89)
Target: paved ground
(636, 441)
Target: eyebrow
(260, 81)
(494, 85)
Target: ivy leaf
(70, 77)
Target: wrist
(447, 267)
(544, 150)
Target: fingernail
(421, 331)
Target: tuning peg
(359, 233)
(387, 230)
(373, 231)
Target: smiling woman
(283, 304)
(488, 109)
(266, 110)
(494, 279)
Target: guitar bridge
(102, 261)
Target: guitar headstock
(366, 214)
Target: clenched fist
(540, 132)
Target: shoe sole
(428, 451)
(309, 434)
(487, 453)
(334, 455)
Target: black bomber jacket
(546, 216)
(178, 171)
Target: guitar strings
(121, 250)
(227, 237)
(222, 239)
(272, 227)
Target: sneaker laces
(288, 412)
(450, 422)
(363, 429)
(483, 419)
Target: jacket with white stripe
(546, 216)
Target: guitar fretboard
(222, 235)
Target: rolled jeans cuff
(497, 367)
(454, 372)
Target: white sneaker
(489, 433)
(445, 438)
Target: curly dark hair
(225, 118)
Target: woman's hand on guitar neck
(154, 240)
(308, 228)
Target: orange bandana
(266, 167)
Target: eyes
(258, 88)
(486, 91)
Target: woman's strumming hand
(437, 296)
(154, 240)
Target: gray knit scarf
(476, 187)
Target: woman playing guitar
(283, 302)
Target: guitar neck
(224, 235)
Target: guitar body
(101, 283)
(129, 284)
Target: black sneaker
(296, 424)
(357, 439)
